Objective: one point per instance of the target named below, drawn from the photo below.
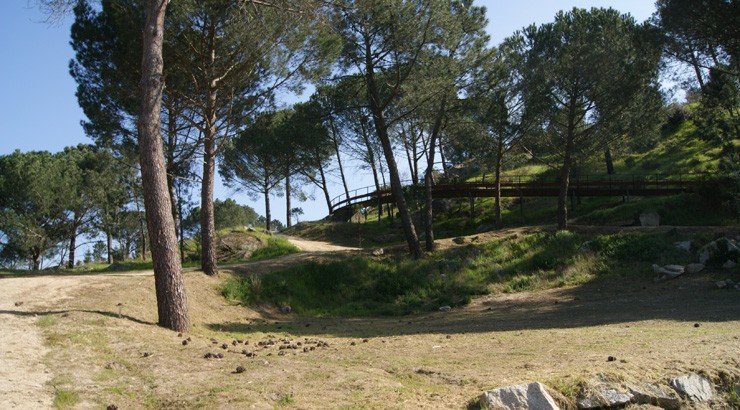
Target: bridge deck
(520, 187)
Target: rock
(112, 407)
(240, 369)
(605, 397)
(285, 309)
(685, 245)
(523, 396)
(692, 268)
(650, 219)
(719, 250)
(668, 271)
(445, 308)
(18, 304)
(693, 387)
(729, 265)
(378, 252)
(585, 248)
(459, 240)
(720, 284)
(656, 395)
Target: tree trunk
(72, 242)
(442, 157)
(36, 258)
(374, 168)
(564, 183)
(382, 130)
(109, 242)
(288, 219)
(609, 161)
(497, 183)
(324, 186)
(339, 158)
(428, 178)
(169, 285)
(268, 216)
(207, 224)
(409, 154)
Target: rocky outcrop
(605, 397)
(693, 387)
(656, 395)
(532, 396)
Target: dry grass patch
(561, 337)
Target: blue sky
(39, 111)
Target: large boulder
(604, 397)
(656, 395)
(693, 387)
(237, 245)
(532, 396)
(719, 251)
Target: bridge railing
(524, 181)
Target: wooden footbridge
(520, 186)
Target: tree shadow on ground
(39, 313)
(603, 301)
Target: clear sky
(39, 111)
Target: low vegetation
(515, 262)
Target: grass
(275, 248)
(363, 286)
(65, 399)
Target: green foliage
(361, 286)
(276, 247)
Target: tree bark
(207, 224)
(268, 215)
(324, 185)
(169, 284)
(339, 158)
(609, 161)
(288, 219)
(497, 183)
(72, 243)
(109, 243)
(428, 178)
(36, 258)
(564, 183)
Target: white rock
(378, 252)
(685, 245)
(445, 308)
(693, 387)
(668, 271)
(531, 396)
(721, 284)
(729, 265)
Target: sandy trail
(23, 374)
(24, 377)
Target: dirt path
(315, 246)
(24, 377)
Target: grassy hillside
(508, 261)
